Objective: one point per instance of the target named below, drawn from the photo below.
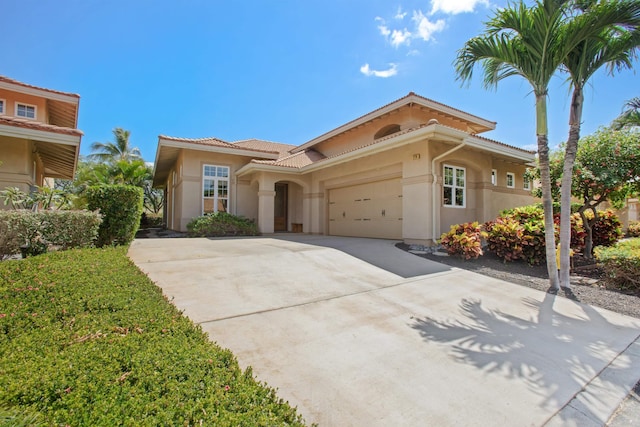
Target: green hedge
(121, 209)
(621, 264)
(86, 339)
(221, 224)
(40, 230)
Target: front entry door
(280, 208)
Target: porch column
(265, 210)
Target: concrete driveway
(355, 332)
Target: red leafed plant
(464, 240)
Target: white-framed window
(494, 176)
(215, 189)
(25, 110)
(511, 180)
(2, 107)
(526, 183)
(454, 186)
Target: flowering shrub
(634, 229)
(464, 240)
(621, 264)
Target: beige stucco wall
(252, 195)
(407, 117)
(187, 190)
(17, 165)
(11, 98)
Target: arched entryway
(287, 207)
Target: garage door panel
(367, 210)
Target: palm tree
(530, 42)
(613, 43)
(115, 151)
(630, 116)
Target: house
(405, 171)
(39, 137)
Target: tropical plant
(464, 240)
(612, 43)
(630, 117)
(119, 149)
(607, 169)
(530, 42)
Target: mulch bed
(587, 284)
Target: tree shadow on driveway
(556, 355)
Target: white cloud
(400, 14)
(413, 52)
(392, 71)
(384, 30)
(399, 37)
(454, 7)
(425, 28)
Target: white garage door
(367, 210)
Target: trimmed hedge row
(621, 263)
(121, 208)
(39, 230)
(221, 224)
(86, 339)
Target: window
(526, 183)
(454, 187)
(215, 189)
(511, 180)
(26, 111)
(2, 106)
(494, 177)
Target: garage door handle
(343, 214)
(383, 212)
(367, 219)
(366, 199)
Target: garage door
(367, 210)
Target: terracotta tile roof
(262, 145)
(503, 144)
(15, 82)
(215, 142)
(297, 160)
(30, 124)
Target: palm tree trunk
(575, 116)
(545, 182)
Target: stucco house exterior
(39, 138)
(405, 171)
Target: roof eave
(407, 100)
(217, 149)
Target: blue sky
(280, 70)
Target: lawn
(88, 340)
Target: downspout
(434, 184)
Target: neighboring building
(405, 171)
(39, 138)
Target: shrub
(121, 209)
(464, 240)
(607, 230)
(88, 340)
(531, 247)
(578, 234)
(634, 229)
(221, 224)
(621, 264)
(150, 220)
(505, 238)
(39, 230)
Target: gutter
(434, 184)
